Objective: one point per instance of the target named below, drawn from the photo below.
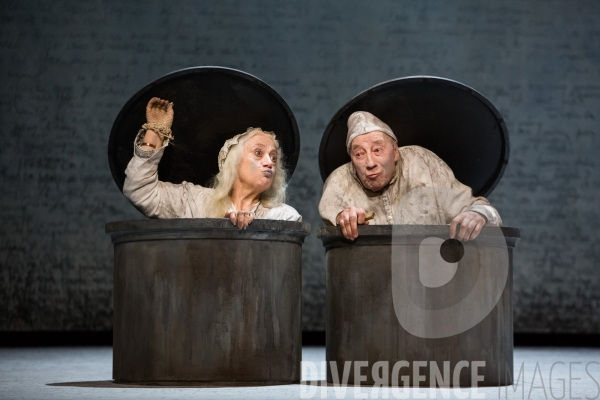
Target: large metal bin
(199, 301)
(363, 324)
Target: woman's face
(258, 163)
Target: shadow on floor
(164, 385)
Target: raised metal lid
(212, 104)
(451, 119)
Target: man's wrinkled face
(258, 164)
(374, 156)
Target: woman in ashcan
(251, 183)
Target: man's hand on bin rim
(349, 219)
(471, 223)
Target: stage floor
(85, 373)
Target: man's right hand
(349, 219)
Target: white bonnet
(361, 122)
(232, 142)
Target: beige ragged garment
(438, 197)
(157, 199)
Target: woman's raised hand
(159, 114)
(159, 111)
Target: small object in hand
(149, 144)
(369, 215)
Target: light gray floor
(85, 373)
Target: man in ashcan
(368, 189)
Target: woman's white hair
(222, 183)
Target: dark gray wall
(67, 67)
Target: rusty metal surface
(362, 323)
(201, 301)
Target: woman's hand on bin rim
(240, 218)
(161, 112)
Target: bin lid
(447, 117)
(212, 104)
